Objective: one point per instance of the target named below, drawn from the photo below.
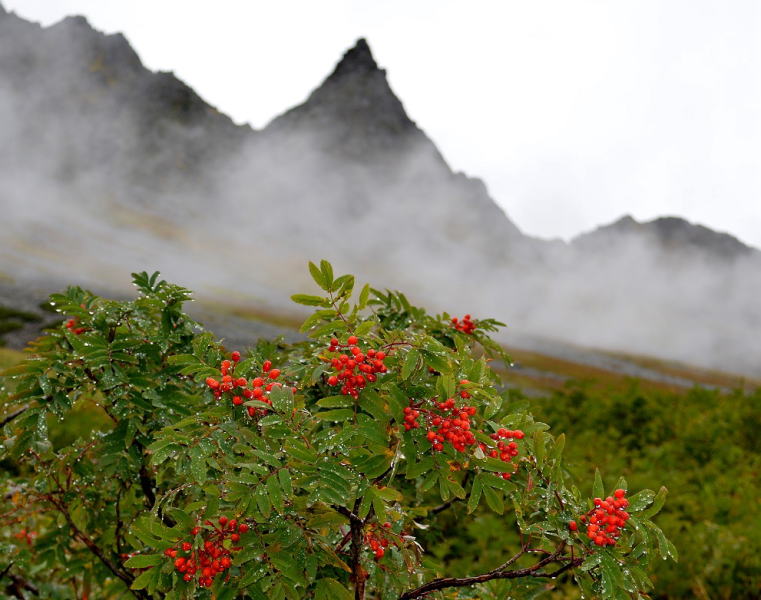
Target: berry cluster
(71, 325)
(355, 369)
(446, 422)
(466, 325)
(506, 449)
(606, 521)
(450, 423)
(238, 388)
(209, 558)
(25, 536)
(376, 539)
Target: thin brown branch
(16, 413)
(498, 573)
(358, 574)
(126, 577)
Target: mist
(107, 168)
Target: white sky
(574, 113)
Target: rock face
(108, 168)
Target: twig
(498, 573)
(13, 415)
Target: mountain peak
(356, 59)
(355, 113)
(673, 235)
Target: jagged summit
(355, 59)
(355, 113)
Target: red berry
(267, 365)
(274, 373)
(242, 528)
(619, 493)
(352, 340)
(235, 356)
(572, 526)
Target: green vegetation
(326, 469)
(705, 446)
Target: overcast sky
(574, 113)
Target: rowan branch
(498, 573)
(16, 413)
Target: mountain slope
(107, 168)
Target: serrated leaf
(318, 276)
(598, 490)
(284, 476)
(282, 399)
(494, 499)
(660, 499)
(144, 560)
(327, 273)
(475, 493)
(341, 414)
(308, 300)
(380, 507)
(410, 362)
(275, 494)
(641, 500)
(144, 579)
(330, 589)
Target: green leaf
(660, 499)
(641, 500)
(330, 589)
(364, 295)
(438, 363)
(182, 518)
(327, 273)
(557, 449)
(494, 500)
(539, 448)
(598, 490)
(144, 579)
(318, 276)
(197, 464)
(336, 402)
(344, 285)
(475, 493)
(341, 414)
(380, 507)
(612, 576)
(282, 399)
(308, 300)
(275, 494)
(144, 560)
(367, 502)
(665, 548)
(410, 361)
(284, 476)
